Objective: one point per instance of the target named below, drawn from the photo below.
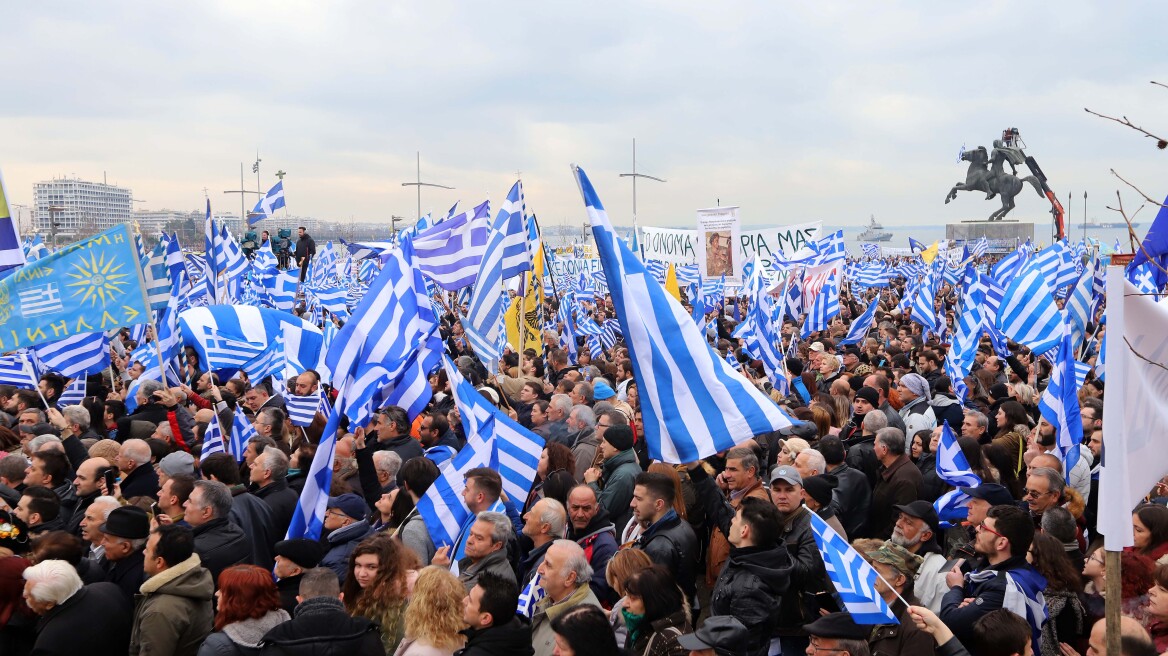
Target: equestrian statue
(987, 173)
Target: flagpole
(32, 378)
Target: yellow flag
(671, 283)
(930, 253)
(533, 306)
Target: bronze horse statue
(995, 182)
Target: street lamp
(393, 221)
(419, 184)
(634, 175)
(54, 209)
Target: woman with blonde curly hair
(434, 616)
(621, 568)
(376, 586)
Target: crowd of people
(117, 532)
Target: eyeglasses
(816, 648)
(603, 425)
(1033, 494)
(983, 527)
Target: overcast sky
(794, 111)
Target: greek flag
(75, 356)
(952, 508)
(302, 409)
(230, 336)
(853, 578)
(506, 256)
(823, 309)
(386, 351)
(1028, 314)
(332, 299)
(156, 272)
(272, 201)
(769, 344)
(73, 394)
(533, 591)
(1080, 305)
(980, 247)
(714, 291)
(694, 404)
(213, 438)
(1059, 404)
(793, 299)
(952, 466)
(241, 433)
(871, 250)
(269, 362)
(860, 327)
(308, 518)
(283, 290)
(16, 370)
(657, 269)
(451, 252)
(1023, 597)
(923, 311)
(1010, 265)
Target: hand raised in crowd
(442, 556)
(359, 437)
(955, 577)
(592, 475)
(57, 419)
(927, 621)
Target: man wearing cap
(125, 530)
(916, 411)
(719, 635)
(809, 576)
(981, 499)
(737, 482)
(757, 571)
(837, 634)
(899, 482)
(173, 464)
(344, 528)
(293, 558)
(916, 532)
(817, 495)
(613, 481)
(897, 567)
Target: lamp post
(634, 175)
(419, 184)
(393, 221)
(1084, 216)
(54, 210)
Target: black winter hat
(820, 487)
(620, 437)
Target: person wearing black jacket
(667, 538)
(321, 626)
(810, 590)
(294, 558)
(305, 250)
(492, 597)
(268, 477)
(757, 572)
(393, 433)
(219, 543)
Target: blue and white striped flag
(302, 409)
(308, 518)
(450, 253)
(1059, 404)
(823, 308)
(1028, 314)
(694, 404)
(952, 466)
(386, 351)
(241, 433)
(74, 356)
(767, 340)
(858, 332)
(533, 591)
(229, 336)
(979, 247)
(853, 578)
(272, 201)
(156, 272)
(73, 394)
(871, 250)
(213, 438)
(16, 370)
(952, 508)
(1009, 266)
(1080, 305)
(284, 290)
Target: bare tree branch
(1136, 189)
(1159, 84)
(1131, 232)
(1161, 142)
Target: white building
(79, 207)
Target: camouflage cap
(905, 561)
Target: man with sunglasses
(1003, 538)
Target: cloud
(793, 111)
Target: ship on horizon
(874, 232)
(1109, 225)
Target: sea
(1043, 234)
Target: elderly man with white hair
(564, 576)
(138, 476)
(95, 516)
(98, 612)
